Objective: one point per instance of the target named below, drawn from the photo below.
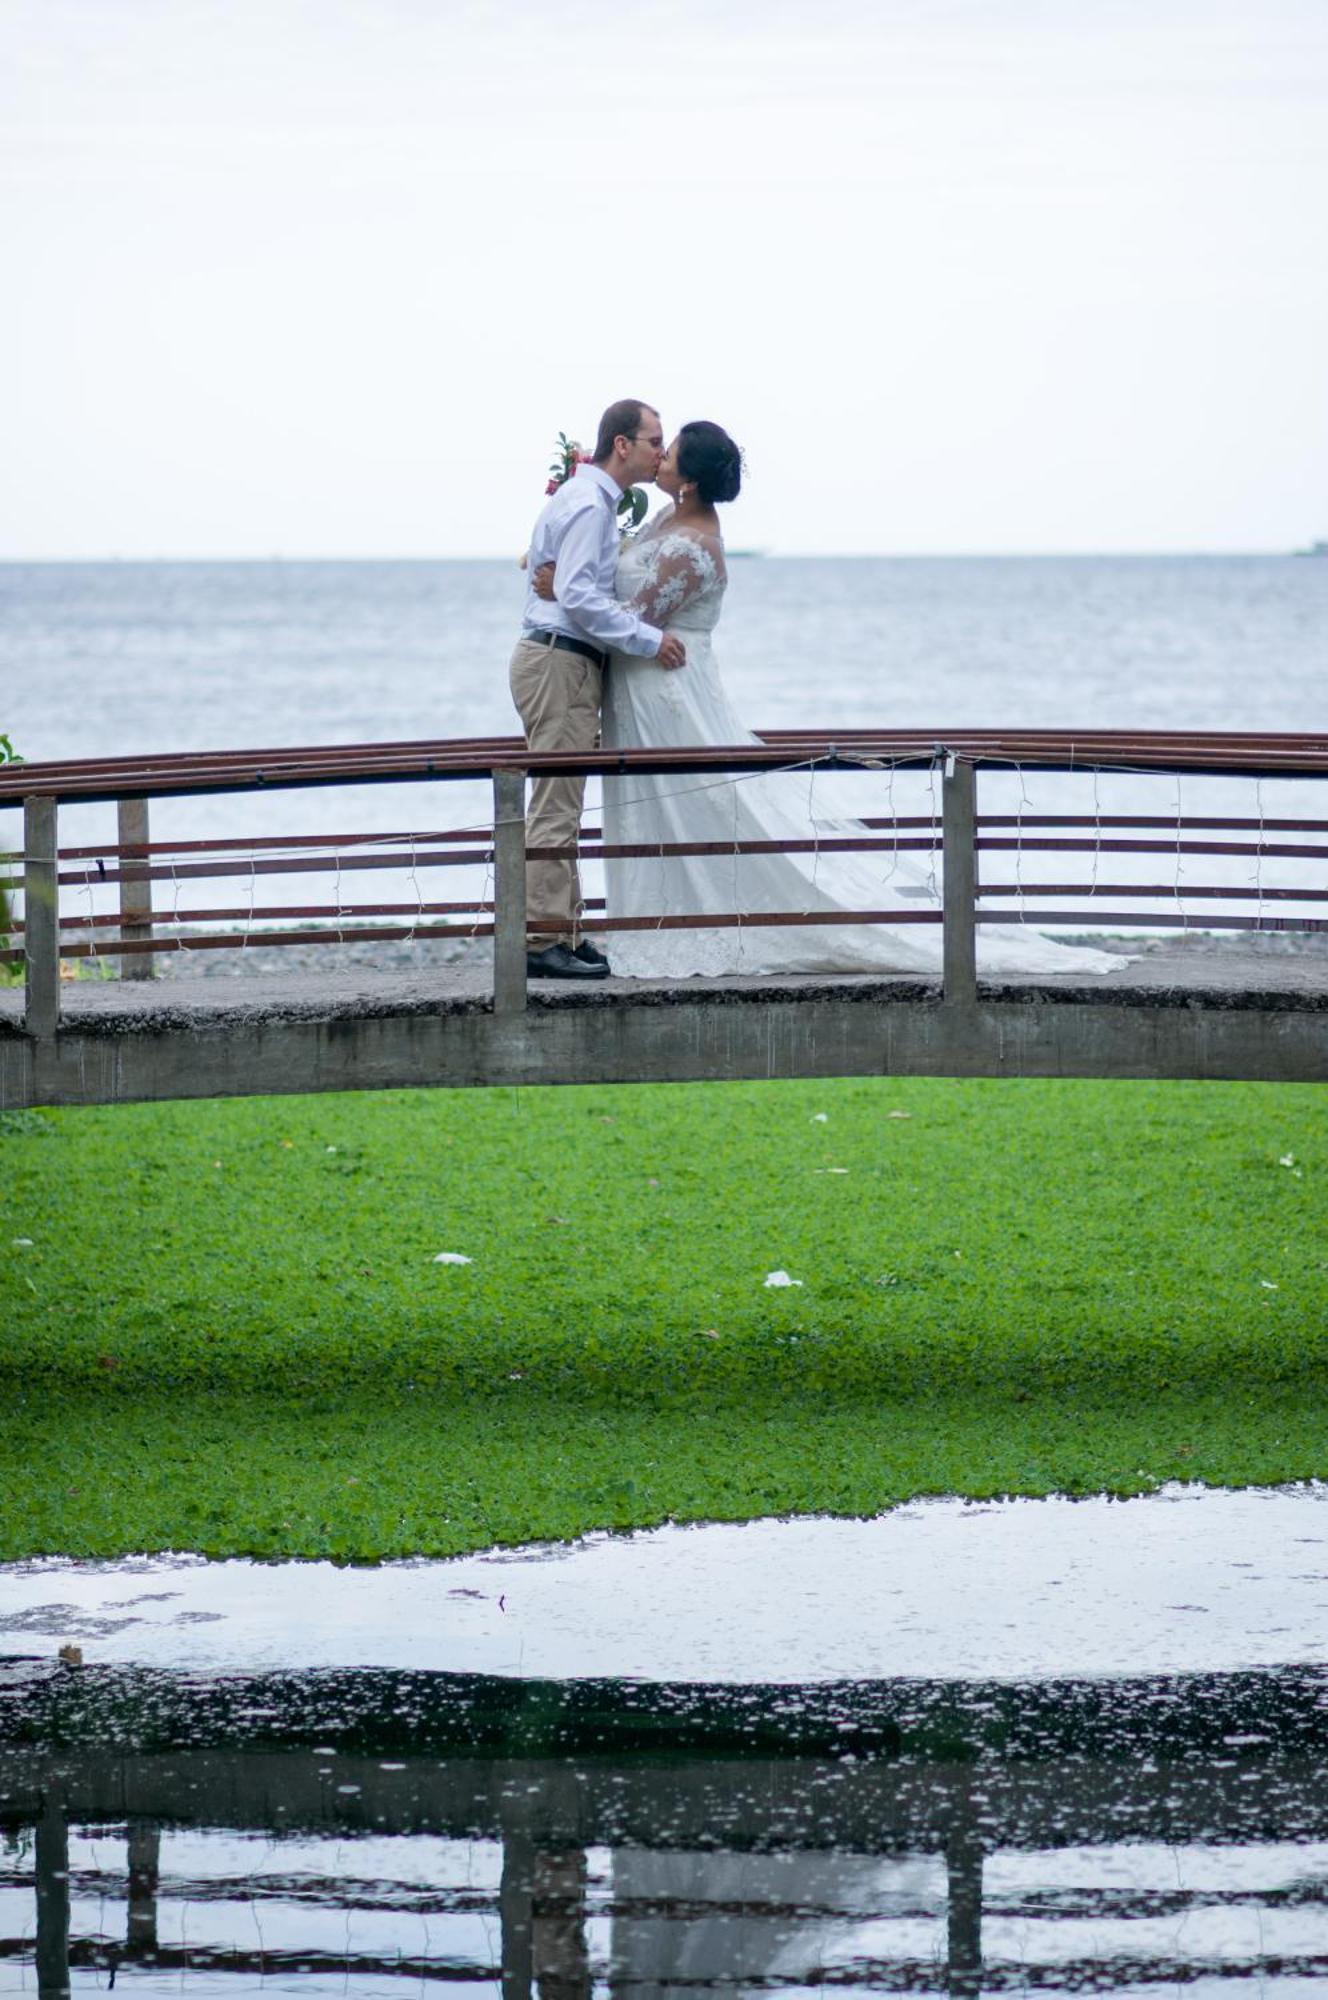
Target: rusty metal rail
(181, 773)
(135, 931)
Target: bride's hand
(543, 582)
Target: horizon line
(275, 558)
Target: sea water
(116, 658)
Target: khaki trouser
(557, 695)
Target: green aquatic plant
(245, 1327)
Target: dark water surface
(389, 1832)
(1044, 1746)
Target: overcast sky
(325, 277)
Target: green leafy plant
(419, 1322)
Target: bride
(673, 573)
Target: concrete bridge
(1182, 1009)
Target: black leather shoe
(558, 962)
(590, 954)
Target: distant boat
(1314, 549)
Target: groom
(558, 667)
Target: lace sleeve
(679, 568)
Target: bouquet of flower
(567, 456)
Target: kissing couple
(616, 648)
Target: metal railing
(137, 928)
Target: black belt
(565, 644)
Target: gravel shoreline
(262, 961)
(431, 954)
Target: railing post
(135, 885)
(144, 1881)
(959, 821)
(516, 1914)
(41, 916)
(560, 1961)
(52, 1868)
(509, 892)
(963, 1861)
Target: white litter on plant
(778, 1279)
(452, 1257)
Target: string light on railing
(1025, 803)
(811, 820)
(181, 941)
(933, 882)
(736, 890)
(893, 816)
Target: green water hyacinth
(1022, 1286)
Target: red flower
(553, 486)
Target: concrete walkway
(1184, 1007)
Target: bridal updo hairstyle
(709, 460)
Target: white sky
(324, 277)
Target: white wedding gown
(677, 579)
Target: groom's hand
(672, 652)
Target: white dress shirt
(578, 532)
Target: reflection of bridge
(672, 1781)
(1170, 1015)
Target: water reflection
(363, 1832)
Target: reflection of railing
(543, 1772)
(134, 866)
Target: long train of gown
(677, 579)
